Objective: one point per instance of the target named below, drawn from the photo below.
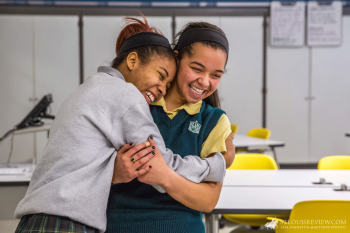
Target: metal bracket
(343, 188)
(322, 181)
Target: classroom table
(275, 191)
(287, 178)
(33, 129)
(270, 200)
(242, 142)
(10, 180)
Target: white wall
(16, 80)
(331, 108)
(39, 55)
(310, 129)
(287, 109)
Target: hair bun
(131, 27)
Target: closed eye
(161, 76)
(196, 69)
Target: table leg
(274, 155)
(211, 223)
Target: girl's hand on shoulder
(129, 160)
(159, 173)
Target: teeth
(150, 96)
(196, 90)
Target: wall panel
(16, 82)
(331, 107)
(287, 109)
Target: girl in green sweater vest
(189, 124)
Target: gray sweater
(74, 176)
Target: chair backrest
(253, 161)
(334, 162)
(234, 128)
(335, 212)
(259, 133)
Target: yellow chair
(257, 133)
(334, 162)
(252, 161)
(316, 214)
(234, 128)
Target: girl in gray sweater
(70, 186)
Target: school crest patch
(194, 127)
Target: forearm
(201, 197)
(191, 167)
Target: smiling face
(151, 79)
(199, 75)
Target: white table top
(286, 178)
(245, 141)
(45, 127)
(271, 200)
(10, 179)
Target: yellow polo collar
(189, 108)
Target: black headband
(144, 39)
(201, 34)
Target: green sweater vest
(136, 207)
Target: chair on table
(234, 128)
(334, 162)
(319, 210)
(257, 133)
(252, 161)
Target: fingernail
(151, 136)
(150, 166)
(153, 153)
(131, 144)
(153, 147)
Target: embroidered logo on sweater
(194, 127)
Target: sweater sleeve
(137, 125)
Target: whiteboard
(324, 24)
(287, 24)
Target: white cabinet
(39, 55)
(330, 115)
(312, 128)
(16, 80)
(287, 109)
